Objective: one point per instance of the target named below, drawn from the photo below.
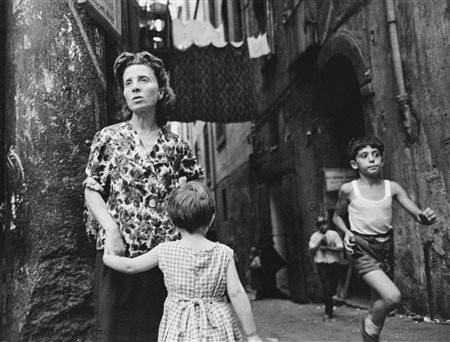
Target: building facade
(340, 69)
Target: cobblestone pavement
(281, 320)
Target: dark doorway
(341, 107)
(341, 119)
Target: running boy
(369, 239)
(197, 272)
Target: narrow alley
(281, 320)
(108, 106)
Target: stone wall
(423, 259)
(234, 223)
(55, 101)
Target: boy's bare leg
(385, 296)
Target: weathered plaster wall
(234, 175)
(238, 229)
(55, 102)
(423, 252)
(235, 150)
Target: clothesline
(202, 33)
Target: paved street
(284, 321)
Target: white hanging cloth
(258, 46)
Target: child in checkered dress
(197, 273)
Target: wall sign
(108, 13)
(334, 178)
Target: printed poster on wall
(335, 177)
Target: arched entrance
(343, 85)
(342, 119)
(341, 111)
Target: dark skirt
(128, 308)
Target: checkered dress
(195, 309)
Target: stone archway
(345, 43)
(344, 85)
(342, 62)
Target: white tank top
(370, 217)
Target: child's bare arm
(339, 211)
(141, 263)
(426, 216)
(241, 303)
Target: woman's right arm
(97, 206)
(97, 173)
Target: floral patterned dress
(135, 183)
(195, 309)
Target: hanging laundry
(258, 46)
(213, 84)
(200, 33)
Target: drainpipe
(402, 96)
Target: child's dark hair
(191, 206)
(357, 144)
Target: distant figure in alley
(325, 245)
(256, 272)
(369, 239)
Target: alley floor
(281, 320)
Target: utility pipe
(402, 96)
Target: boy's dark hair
(357, 144)
(191, 206)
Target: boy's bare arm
(339, 211)
(426, 216)
(341, 207)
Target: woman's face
(140, 88)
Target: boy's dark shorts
(371, 255)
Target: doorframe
(345, 43)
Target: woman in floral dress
(132, 167)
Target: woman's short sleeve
(98, 166)
(189, 167)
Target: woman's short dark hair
(357, 144)
(191, 206)
(164, 105)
